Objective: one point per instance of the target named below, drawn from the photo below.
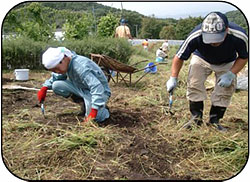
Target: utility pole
(122, 10)
(136, 32)
(93, 11)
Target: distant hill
(98, 9)
(101, 10)
(58, 12)
(238, 18)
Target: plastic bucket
(159, 59)
(21, 74)
(150, 68)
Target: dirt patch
(123, 118)
(17, 99)
(7, 80)
(140, 152)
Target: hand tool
(42, 108)
(170, 101)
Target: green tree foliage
(38, 21)
(78, 27)
(134, 21)
(11, 22)
(107, 25)
(185, 26)
(31, 21)
(238, 18)
(168, 32)
(151, 28)
(100, 9)
(37, 28)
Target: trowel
(170, 102)
(42, 108)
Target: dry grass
(142, 141)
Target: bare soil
(143, 156)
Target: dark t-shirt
(235, 45)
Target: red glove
(41, 94)
(92, 114)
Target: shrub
(21, 53)
(26, 53)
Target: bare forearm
(238, 65)
(176, 66)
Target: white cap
(52, 56)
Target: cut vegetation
(140, 140)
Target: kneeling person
(77, 77)
(160, 55)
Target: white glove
(226, 79)
(171, 83)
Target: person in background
(123, 30)
(145, 44)
(160, 55)
(165, 46)
(78, 78)
(218, 46)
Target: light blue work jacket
(86, 79)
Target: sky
(173, 9)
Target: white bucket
(22, 74)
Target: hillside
(238, 18)
(101, 10)
(90, 7)
(56, 14)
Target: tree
(38, 27)
(151, 28)
(107, 25)
(185, 26)
(30, 21)
(11, 22)
(168, 32)
(134, 21)
(238, 18)
(78, 28)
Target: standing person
(165, 46)
(145, 44)
(79, 78)
(123, 30)
(218, 46)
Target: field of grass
(140, 140)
